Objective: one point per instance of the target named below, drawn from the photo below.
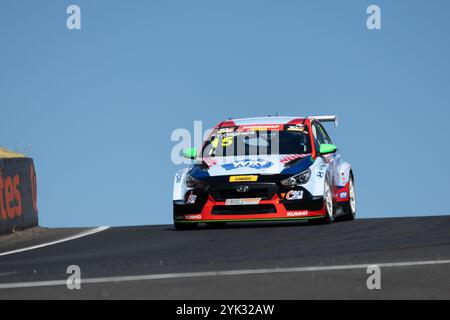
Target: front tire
(350, 206)
(329, 205)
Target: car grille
(265, 191)
(245, 209)
(233, 194)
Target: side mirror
(327, 148)
(190, 153)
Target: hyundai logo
(242, 188)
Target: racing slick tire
(349, 207)
(329, 205)
(185, 226)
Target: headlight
(191, 182)
(300, 178)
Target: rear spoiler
(331, 118)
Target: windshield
(257, 142)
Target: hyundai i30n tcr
(265, 169)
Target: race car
(265, 169)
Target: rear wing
(330, 118)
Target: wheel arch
(179, 186)
(343, 173)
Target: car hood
(243, 165)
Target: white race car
(265, 169)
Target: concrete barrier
(18, 194)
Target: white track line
(220, 273)
(77, 236)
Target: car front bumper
(210, 205)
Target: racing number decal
(226, 142)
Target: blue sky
(96, 107)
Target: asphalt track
(242, 261)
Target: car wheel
(185, 226)
(329, 205)
(350, 206)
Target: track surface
(127, 251)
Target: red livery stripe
(210, 162)
(291, 157)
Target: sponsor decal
(192, 216)
(247, 163)
(10, 197)
(260, 127)
(238, 134)
(243, 178)
(320, 174)
(297, 213)
(294, 195)
(178, 177)
(298, 127)
(343, 195)
(240, 202)
(225, 130)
